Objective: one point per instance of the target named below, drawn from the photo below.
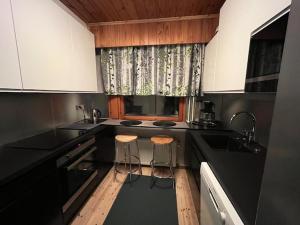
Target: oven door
(77, 175)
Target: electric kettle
(96, 115)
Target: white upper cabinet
(210, 65)
(54, 49)
(10, 77)
(84, 74)
(238, 19)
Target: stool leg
(152, 166)
(139, 157)
(129, 153)
(171, 164)
(125, 155)
(115, 162)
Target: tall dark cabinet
(279, 200)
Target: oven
(78, 170)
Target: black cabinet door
(105, 141)
(195, 158)
(34, 204)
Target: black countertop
(179, 125)
(15, 162)
(239, 173)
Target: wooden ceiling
(93, 11)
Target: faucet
(249, 135)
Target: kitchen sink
(83, 125)
(230, 142)
(89, 121)
(217, 141)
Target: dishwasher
(215, 207)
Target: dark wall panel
(23, 115)
(27, 114)
(261, 104)
(63, 106)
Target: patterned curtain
(146, 70)
(197, 69)
(174, 78)
(117, 70)
(170, 70)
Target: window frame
(116, 106)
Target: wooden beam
(154, 20)
(193, 30)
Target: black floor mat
(138, 204)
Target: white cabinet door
(210, 64)
(238, 19)
(10, 77)
(233, 46)
(44, 40)
(84, 75)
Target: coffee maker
(207, 111)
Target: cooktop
(47, 141)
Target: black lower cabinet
(195, 158)
(33, 199)
(37, 198)
(105, 141)
(103, 161)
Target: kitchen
(149, 112)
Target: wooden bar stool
(124, 141)
(165, 143)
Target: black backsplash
(27, 114)
(261, 104)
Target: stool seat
(162, 140)
(126, 138)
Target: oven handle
(67, 205)
(93, 149)
(80, 148)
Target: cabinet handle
(221, 214)
(213, 200)
(223, 218)
(81, 158)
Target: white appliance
(215, 207)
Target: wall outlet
(79, 107)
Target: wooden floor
(97, 207)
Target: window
(146, 107)
(151, 106)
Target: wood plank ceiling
(93, 11)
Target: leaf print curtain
(197, 69)
(169, 70)
(117, 70)
(175, 65)
(145, 76)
